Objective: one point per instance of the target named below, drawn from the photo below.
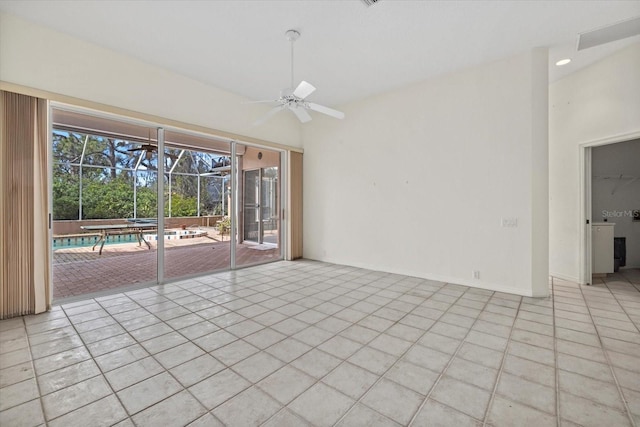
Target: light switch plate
(509, 222)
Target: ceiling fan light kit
(292, 35)
(296, 101)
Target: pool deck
(79, 271)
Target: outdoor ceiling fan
(148, 148)
(296, 101)
(220, 166)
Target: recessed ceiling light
(563, 62)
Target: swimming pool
(84, 240)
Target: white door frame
(585, 199)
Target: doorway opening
(610, 208)
(260, 197)
(261, 205)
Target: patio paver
(79, 271)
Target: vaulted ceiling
(347, 50)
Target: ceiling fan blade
(326, 110)
(303, 90)
(267, 116)
(301, 114)
(143, 147)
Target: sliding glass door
(261, 205)
(104, 205)
(135, 204)
(252, 230)
(259, 230)
(197, 198)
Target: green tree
(106, 167)
(147, 202)
(108, 200)
(182, 205)
(66, 191)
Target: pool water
(80, 241)
(84, 241)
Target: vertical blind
(295, 204)
(24, 226)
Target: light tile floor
(313, 344)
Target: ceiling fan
(296, 101)
(148, 148)
(220, 166)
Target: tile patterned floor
(313, 344)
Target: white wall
(416, 181)
(37, 57)
(598, 102)
(618, 197)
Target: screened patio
(106, 176)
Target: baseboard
(565, 277)
(435, 277)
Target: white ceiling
(347, 50)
